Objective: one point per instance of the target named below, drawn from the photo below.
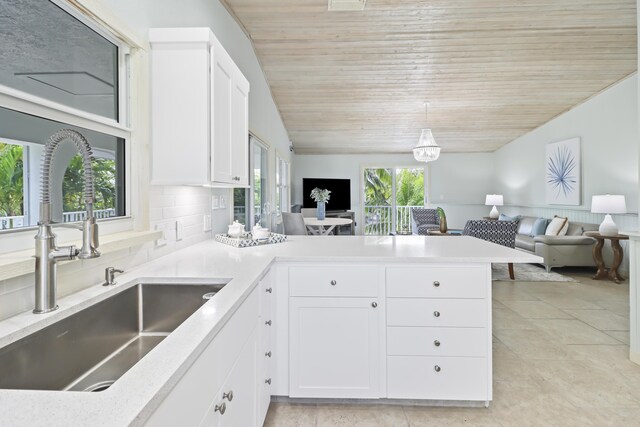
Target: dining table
(323, 227)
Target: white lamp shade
(427, 150)
(494, 200)
(608, 204)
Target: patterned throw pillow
(558, 226)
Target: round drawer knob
(436, 343)
(228, 396)
(267, 381)
(436, 313)
(436, 284)
(268, 323)
(374, 304)
(436, 368)
(268, 290)
(333, 283)
(268, 354)
(220, 408)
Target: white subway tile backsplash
(155, 214)
(163, 201)
(17, 301)
(177, 212)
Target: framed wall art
(563, 173)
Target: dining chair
(309, 212)
(294, 224)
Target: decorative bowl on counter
(248, 239)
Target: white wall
(459, 184)
(453, 184)
(608, 127)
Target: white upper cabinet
(199, 110)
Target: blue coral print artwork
(562, 173)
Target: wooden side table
(617, 256)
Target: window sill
(16, 264)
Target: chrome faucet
(47, 252)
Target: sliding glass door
(389, 195)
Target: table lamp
(495, 200)
(608, 204)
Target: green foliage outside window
(104, 173)
(410, 187)
(379, 197)
(377, 189)
(11, 180)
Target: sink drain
(208, 295)
(101, 386)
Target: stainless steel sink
(91, 349)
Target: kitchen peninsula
(315, 317)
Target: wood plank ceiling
(492, 70)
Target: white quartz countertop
(137, 393)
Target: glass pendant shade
(427, 150)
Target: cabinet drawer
(459, 313)
(333, 281)
(438, 282)
(422, 341)
(437, 378)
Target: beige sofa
(574, 249)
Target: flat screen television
(339, 199)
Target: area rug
(527, 273)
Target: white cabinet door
(240, 129)
(200, 389)
(179, 109)
(334, 347)
(235, 403)
(222, 72)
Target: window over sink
(60, 70)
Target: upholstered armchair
(423, 220)
(499, 232)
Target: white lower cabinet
(192, 400)
(342, 331)
(334, 347)
(439, 333)
(235, 403)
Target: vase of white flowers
(321, 197)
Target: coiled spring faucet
(47, 252)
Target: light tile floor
(560, 358)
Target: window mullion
(394, 208)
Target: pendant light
(427, 150)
